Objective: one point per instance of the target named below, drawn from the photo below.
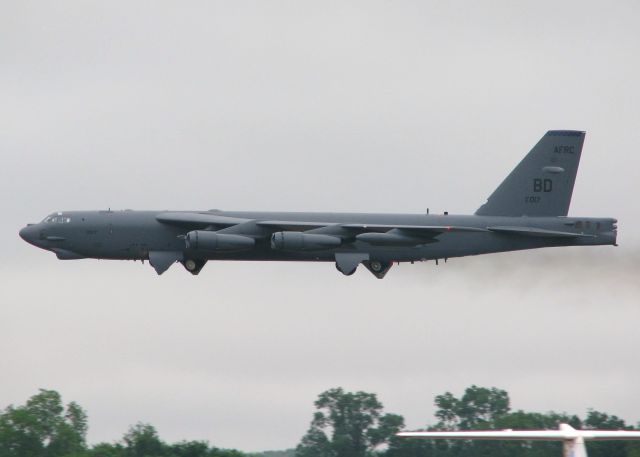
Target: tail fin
(542, 184)
(572, 447)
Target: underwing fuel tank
(203, 240)
(298, 241)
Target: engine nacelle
(299, 241)
(203, 240)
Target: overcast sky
(371, 106)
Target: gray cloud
(220, 354)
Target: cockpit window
(56, 220)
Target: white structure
(573, 439)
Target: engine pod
(299, 241)
(203, 240)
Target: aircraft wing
(564, 433)
(538, 232)
(198, 220)
(434, 229)
(374, 234)
(295, 226)
(205, 219)
(527, 435)
(612, 435)
(426, 231)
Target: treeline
(345, 424)
(354, 424)
(44, 427)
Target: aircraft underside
(378, 260)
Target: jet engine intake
(203, 240)
(299, 241)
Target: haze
(327, 106)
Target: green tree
(217, 452)
(106, 450)
(283, 453)
(142, 441)
(408, 447)
(315, 442)
(42, 427)
(597, 420)
(189, 449)
(478, 408)
(521, 420)
(347, 424)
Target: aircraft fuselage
(132, 235)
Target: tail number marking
(542, 185)
(564, 150)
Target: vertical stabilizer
(573, 445)
(542, 183)
(574, 448)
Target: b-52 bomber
(528, 210)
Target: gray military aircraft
(527, 211)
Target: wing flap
(538, 232)
(433, 229)
(380, 228)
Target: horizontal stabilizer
(538, 232)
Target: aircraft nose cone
(28, 234)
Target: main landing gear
(193, 266)
(347, 263)
(378, 268)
